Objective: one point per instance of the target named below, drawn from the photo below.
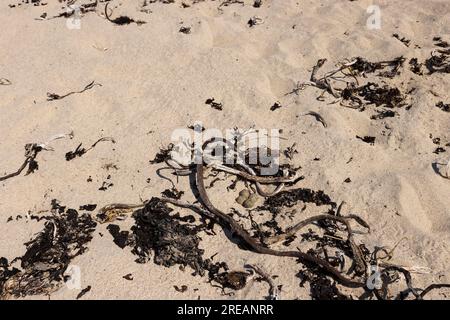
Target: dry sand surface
(155, 79)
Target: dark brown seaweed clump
(321, 287)
(78, 152)
(163, 235)
(48, 255)
(372, 93)
(171, 240)
(214, 104)
(439, 62)
(363, 67)
(415, 66)
(290, 198)
(162, 155)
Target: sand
(155, 79)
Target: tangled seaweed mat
(65, 235)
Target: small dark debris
(439, 150)
(162, 155)
(405, 41)
(213, 104)
(182, 289)
(121, 238)
(257, 3)
(444, 107)
(437, 141)
(381, 114)
(88, 207)
(185, 30)
(106, 185)
(367, 139)
(84, 291)
(128, 277)
(173, 193)
(54, 96)
(290, 152)
(121, 20)
(252, 22)
(415, 66)
(275, 106)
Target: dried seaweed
(372, 93)
(253, 21)
(289, 152)
(128, 277)
(213, 104)
(403, 40)
(440, 43)
(162, 155)
(288, 199)
(182, 289)
(415, 66)
(257, 3)
(156, 231)
(173, 193)
(88, 207)
(54, 96)
(235, 280)
(106, 184)
(321, 288)
(122, 20)
(72, 10)
(169, 238)
(439, 62)
(31, 152)
(439, 150)
(48, 254)
(120, 238)
(443, 106)
(367, 139)
(318, 117)
(83, 292)
(79, 151)
(354, 95)
(361, 66)
(381, 114)
(185, 30)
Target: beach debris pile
(65, 235)
(325, 244)
(358, 83)
(439, 62)
(331, 258)
(384, 97)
